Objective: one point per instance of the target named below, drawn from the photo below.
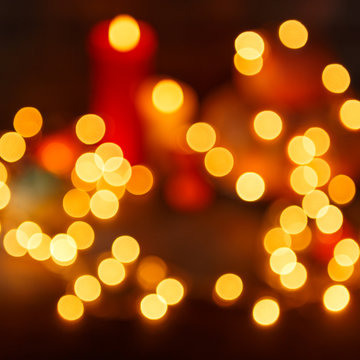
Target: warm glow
(249, 45)
(90, 129)
(125, 249)
(335, 78)
(329, 219)
(293, 34)
(150, 272)
(153, 307)
(25, 231)
(119, 176)
(283, 261)
(70, 307)
(88, 167)
(295, 279)
(313, 202)
(87, 288)
(248, 67)
(82, 233)
(119, 191)
(219, 161)
(341, 189)
(141, 180)
(303, 179)
(39, 247)
(336, 298)
(320, 138)
(5, 195)
(266, 311)
(350, 114)
(201, 137)
(80, 184)
(76, 203)
(167, 96)
(276, 238)
(63, 248)
(111, 156)
(3, 173)
(301, 240)
(12, 146)
(111, 272)
(104, 204)
(293, 219)
(301, 150)
(338, 272)
(322, 170)
(228, 287)
(268, 125)
(250, 186)
(346, 252)
(171, 290)
(28, 121)
(11, 245)
(124, 33)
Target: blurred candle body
(122, 53)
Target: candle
(121, 52)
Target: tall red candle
(116, 72)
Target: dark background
(44, 63)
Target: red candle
(122, 52)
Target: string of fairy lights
(101, 176)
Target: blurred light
(5, 195)
(104, 204)
(341, 189)
(338, 272)
(82, 233)
(80, 184)
(313, 202)
(249, 45)
(25, 231)
(119, 191)
(90, 129)
(87, 288)
(12, 146)
(141, 180)
(171, 290)
(303, 179)
(293, 219)
(335, 78)
(346, 252)
(293, 34)
(119, 176)
(336, 298)
(276, 238)
(63, 248)
(153, 307)
(76, 203)
(322, 170)
(329, 219)
(320, 138)
(248, 67)
(87, 167)
(268, 124)
(28, 121)
(283, 261)
(70, 307)
(124, 33)
(125, 249)
(111, 156)
(3, 173)
(219, 161)
(111, 271)
(266, 311)
(11, 245)
(39, 247)
(250, 186)
(201, 137)
(350, 114)
(228, 287)
(301, 240)
(295, 279)
(301, 150)
(150, 272)
(167, 96)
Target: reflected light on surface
(201, 137)
(125, 249)
(250, 186)
(171, 290)
(293, 34)
(124, 33)
(153, 307)
(267, 125)
(341, 189)
(111, 272)
(335, 78)
(266, 311)
(228, 287)
(28, 121)
(90, 129)
(70, 307)
(336, 298)
(167, 96)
